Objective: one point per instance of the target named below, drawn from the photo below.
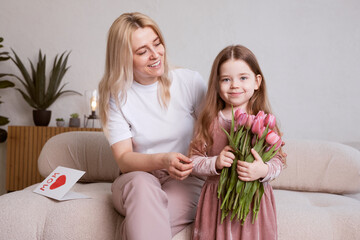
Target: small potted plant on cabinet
(60, 122)
(74, 120)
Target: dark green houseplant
(4, 56)
(39, 93)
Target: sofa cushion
(27, 215)
(320, 166)
(311, 215)
(86, 151)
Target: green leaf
(4, 120)
(40, 79)
(28, 99)
(6, 83)
(4, 53)
(4, 74)
(4, 58)
(27, 81)
(231, 142)
(238, 137)
(21, 81)
(232, 122)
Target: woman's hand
(252, 171)
(178, 165)
(225, 158)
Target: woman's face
(148, 56)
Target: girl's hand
(252, 171)
(225, 158)
(178, 165)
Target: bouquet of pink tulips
(247, 131)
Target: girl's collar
(223, 116)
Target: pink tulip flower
(237, 114)
(261, 131)
(260, 118)
(272, 138)
(242, 119)
(270, 120)
(256, 127)
(260, 115)
(249, 121)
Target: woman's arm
(178, 165)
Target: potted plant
(39, 93)
(4, 84)
(60, 122)
(74, 120)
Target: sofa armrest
(86, 151)
(320, 166)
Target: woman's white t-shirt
(154, 129)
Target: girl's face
(148, 56)
(237, 83)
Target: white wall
(309, 52)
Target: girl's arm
(178, 165)
(203, 165)
(275, 167)
(209, 166)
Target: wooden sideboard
(24, 145)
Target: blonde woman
(148, 113)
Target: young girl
(235, 80)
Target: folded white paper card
(59, 182)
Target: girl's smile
(236, 94)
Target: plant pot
(41, 117)
(74, 122)
(3, 135)
(60, 123)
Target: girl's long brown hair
(214, 103)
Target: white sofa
(317, 195)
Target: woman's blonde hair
(214, 103)
(118, 76)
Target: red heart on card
(59, 182)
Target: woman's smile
(155, 65)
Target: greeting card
(58, 184)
